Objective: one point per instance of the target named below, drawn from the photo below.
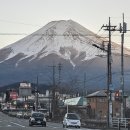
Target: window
(101, 99)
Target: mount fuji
(65, 42)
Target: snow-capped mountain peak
(67, 39)
(65, 42)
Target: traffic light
(118, 96)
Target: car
(37, 118)
(71, 120)
(19, 114)
(26, 115)
(44, 111)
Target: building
(25, 89)
(98, 103)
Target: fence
(120, 122)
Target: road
(13, 123)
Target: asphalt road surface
(13, 123)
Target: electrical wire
(14, 22)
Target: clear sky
(27, 16)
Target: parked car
(44, 111)
(71, 120)
(5, 110)
(37, 118)
(12, 112)
(26, 115)
(19, 114)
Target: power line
(39, 34)
(14, 22)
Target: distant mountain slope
(65, 42)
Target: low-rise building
(98, 105)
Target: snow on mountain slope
(65, 42)
(66, 39)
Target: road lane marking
(8, 125)
(17, 124)
(53, 126)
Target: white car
(19, 114)
(71, 120)
(44, 111)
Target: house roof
(101, 93)
(75, 101)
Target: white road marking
(17, 124)
(8, 125)
(80, 129)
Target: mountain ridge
(48, 40)
(65, 42)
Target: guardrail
(120, 122)
(91, 123)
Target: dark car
(37, 118)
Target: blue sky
(27, 16)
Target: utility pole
(109, 107)
(84, 91)
(123, 29)
(59, 68)
(109, 28)
(53, 90)
(36, 95)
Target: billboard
(13, 95)
(25, 89)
